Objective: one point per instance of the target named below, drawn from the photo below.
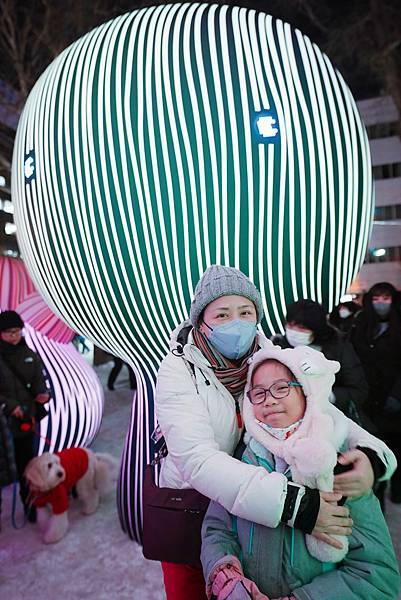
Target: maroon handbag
(172, 522)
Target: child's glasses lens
(278, 390)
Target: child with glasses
(292, 430)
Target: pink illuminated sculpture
(76, 406)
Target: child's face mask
(281, 433)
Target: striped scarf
(232, 374)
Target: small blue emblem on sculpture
(29, 167)
(266, 127)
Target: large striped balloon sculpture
(76, 406)
(171, 138)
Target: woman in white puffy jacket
(199, 396)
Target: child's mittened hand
(252, 590)
(241, 589)
(224, 581)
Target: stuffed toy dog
(51, 478)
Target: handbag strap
(160, 448)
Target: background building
(383, 259)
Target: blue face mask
(382, 308)
(233, 339)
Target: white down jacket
(197, 416)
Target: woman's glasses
(279, 389)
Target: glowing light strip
(244, 58)
(283, 160)
(77, 396)
(290, 109)
(199, 47)
(15, 282)
(197, 108)
(313, 76)
(125, 291)
(330, 214)
(34, 311)
(234, 136)
(76, 407)
(165, 13)
(353, 180)
(297, 95)
(368, 205)
(263, 36)
(148, 235)
(337, 115)
(263, 151)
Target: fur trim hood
(316, 374)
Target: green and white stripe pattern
(138, 163)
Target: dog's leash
(49, 442)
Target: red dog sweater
(75, 464)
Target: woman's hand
(359, 480)
(332, 519)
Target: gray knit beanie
(219, 281)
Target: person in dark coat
(306, 324)
(342, 317)
(8, 471)
(376, 337)
(23, 392)
(115, 371)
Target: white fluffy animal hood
(316, 374)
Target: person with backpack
(199, 399)
(23, 393)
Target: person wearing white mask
(199, 399)
(307, 325)
(342, 317)
(376, 336)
